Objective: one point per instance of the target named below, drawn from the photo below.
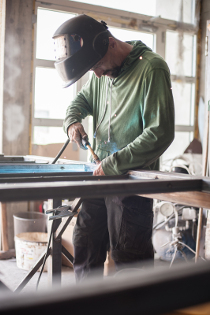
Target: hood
(139, 48)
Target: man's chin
(112, 73)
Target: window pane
(179, 53)
(47, 23)
(178, 146)
(51, 99)
(46, 135)
(141, 6)
(167, 9)
(172, 10)
(182, 93)
(127, 35)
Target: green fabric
(142, 112)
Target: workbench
(40, 181)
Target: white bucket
(29, 247)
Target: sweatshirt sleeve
(80, 107)
(157, 112)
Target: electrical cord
(61, 151)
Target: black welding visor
(79, 44)
(67, 46)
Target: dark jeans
(123, 224)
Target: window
(180, 56)
(50, 98)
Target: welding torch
(85, 143)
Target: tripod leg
(188, 247)
(31, 272)
(173, 257)
(184, 255)
(165, 244)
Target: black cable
(45, 258)
(61, 151)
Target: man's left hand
(98, 171)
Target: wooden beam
(17, 76)
(190, 198)
(4, 233)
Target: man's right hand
(76, 132)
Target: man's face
(104, 68)
(107, 65)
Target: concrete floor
(12, 276)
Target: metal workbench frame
(61, 185)
(175, 187)
(23, 187)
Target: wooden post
(4, 233)
(206, 131)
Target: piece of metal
(32, 272)
(13, 159)
(75, 206)
(52, 177)
(40, 177)
(92, 189)
(44, 168)
(63, 211)
(56, 248)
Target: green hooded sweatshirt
(133, 115)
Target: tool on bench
(85, 143)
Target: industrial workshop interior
(105, 104)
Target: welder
(130, 98)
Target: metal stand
(55, 247)
(177, 243)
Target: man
(130, 99)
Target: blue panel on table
(46, 168)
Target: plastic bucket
(29, 247)
(29, 222)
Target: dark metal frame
(32, 188)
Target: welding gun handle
(85, 142)
(95, 157)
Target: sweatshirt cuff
(108, 167)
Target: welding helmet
(79, 44)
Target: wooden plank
(17, 85)
(17, 76)
(2, 36)
(4, 233)
(190, 198)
